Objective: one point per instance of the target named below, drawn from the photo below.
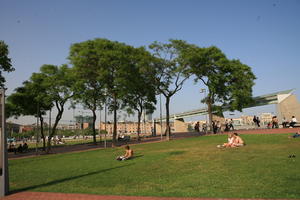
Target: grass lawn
(191, 167)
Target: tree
(141, 90)
(229, 82)
(89, 85)
(5, 62)
(115, 62)
(59, 82)
(30, 99)
(171, 69)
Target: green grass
(191, 167)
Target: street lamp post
(99, 130)
(4, 182)
(160, 108)
(105, 122)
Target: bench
(125, 138)
(295, 125)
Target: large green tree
(5, 62)
(171, 71)
(89, 84)
(141, 90)
(229, 82)
(114, 63)
(59, 82)
(30, 99)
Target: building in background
(265, 118)
(127, 127)
(83, 122)
(13, 128)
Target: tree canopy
(59, 82)
(141, 90)
(127, 77)
(5, 62)
(30, 99)
(229, 82)
(113, 64)
(89, 83)
(171, 70)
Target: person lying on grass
(128, 154)
(295, 135)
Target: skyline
(262, 34)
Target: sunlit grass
(191, 167)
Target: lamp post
(144, 121)
(49, 131)
(203, 90)
(99, 130)
(4, 183)
(160, 108)
(105, 122)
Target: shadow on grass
(137, 156)
(176, 152)
(66, 179)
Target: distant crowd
(228, 125)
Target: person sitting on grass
(234, 140)
(128, 154)
(238, 141)
(230, 141)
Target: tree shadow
(172, 153)
(133, 157)
(65, 179)
(137, 156)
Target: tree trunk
(139, 125)
(53, 130)
(168, 128)
(94, 129)
(114, 142)
(42, 132)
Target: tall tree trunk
(53, 130)
(139, 125)
(114, 142)
(209, 110)
(168, 128)
(42, 132)
(94, 129)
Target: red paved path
(62, 196)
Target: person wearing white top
(293, 121)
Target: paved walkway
(62, 196)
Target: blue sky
(262, 34)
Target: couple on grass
(234, 140)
